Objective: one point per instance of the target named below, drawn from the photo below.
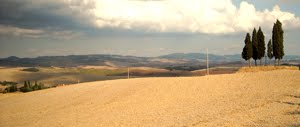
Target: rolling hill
(269, 98)
(176, 61)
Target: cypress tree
(35, 87)
(274, 42)
(29, 84)
(261, 45)
(40, 86)
(255, 45)
(26, 87)
(277, 39)
(247, 50)
(280, 41)
(13, 88)
(25, 84)
(270, 50)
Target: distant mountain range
(194, 60)
(201, 56)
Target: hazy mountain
(202, 56)
(71, 60)
(186, 61)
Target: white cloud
(38, 33)
(203, 16)
(15, 31)
(62, 18)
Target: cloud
(202, 16)
(38, 33)
(64, 14)
(9, 30)
(60, 19)
(35, 52)
(70, 18)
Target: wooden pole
(207, 63)
(128, 72)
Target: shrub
(41, 86)
(32, 69)
(28, 87)
(35, 87)
(25, 89)
(4, 83)
(12, 88)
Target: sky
(31, 28)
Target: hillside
(242, 99)
(53, 76)
(202, 56)
(175, 61)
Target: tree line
(255, 48)
(27, 87)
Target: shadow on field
(290, 103)
(297, 111)
(295, 96)
(294, 125)
(63, 78)
(294, 113)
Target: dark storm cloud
(47, 14)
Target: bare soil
(270, 98)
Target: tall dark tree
(247, 50)
(25, 84)
(277, 39)
(261, 45)
(26, 87)
(35, 87)
(270, 50)
(255, 46)
(29, 83)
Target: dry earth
(269, 98)
(266, 68)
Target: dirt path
(244, 99)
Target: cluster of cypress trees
(255, 48)
(28, 87)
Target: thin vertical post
(207, 62)
(128, 72)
